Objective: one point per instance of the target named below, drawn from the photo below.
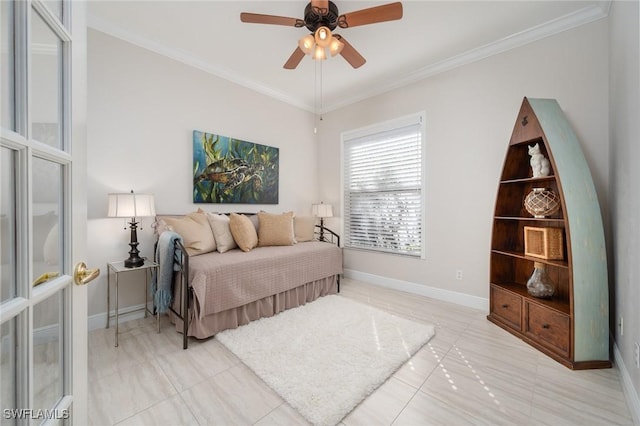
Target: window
(383, 182)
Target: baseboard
(420, 289)
(630, 393)
(125, 314)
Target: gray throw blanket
(168, 258)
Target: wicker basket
(545, 243)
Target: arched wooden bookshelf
(572, 327)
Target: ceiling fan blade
(257, 18)
(294, 59)
(372, 15)
(320, 7)
(350, 54)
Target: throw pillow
(304, 227)
(256, 222)
(195, 232)
(243, 231)
(275, 229)
(220, 226)
(160, 225)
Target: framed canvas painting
(228, 170)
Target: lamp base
(134, 260)
(322, 230)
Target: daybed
(228, 287)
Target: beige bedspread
(227, 280)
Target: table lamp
(322, 210)
(132, 206)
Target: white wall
(143, 107)
(470, 114)
(624, 110)
(142, 110)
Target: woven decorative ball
(541, 202)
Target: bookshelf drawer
(507, 307)
(550, 328)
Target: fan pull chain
(320, 112)
(318, 93)
(315, 96)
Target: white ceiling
(432, 36)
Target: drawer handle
(505, 306)
(546, 326)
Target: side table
(117, 268)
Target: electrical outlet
(637, 355)
(459, 274)
(621, 325)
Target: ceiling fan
(321, 17)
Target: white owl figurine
(539, 164)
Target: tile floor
(471, 372)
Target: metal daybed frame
(321, 233)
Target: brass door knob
(82, 275)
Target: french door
(43, 315)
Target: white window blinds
(383, 188)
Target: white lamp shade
(131, 205)
(322, 210)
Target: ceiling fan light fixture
(319, 53)
(321, 17)
(335, 46)
(307, 44)
(323, 36)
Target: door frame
(78, 129)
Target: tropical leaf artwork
(228, 170)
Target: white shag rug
(325, 357)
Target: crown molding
(581, 17)
(106, 27)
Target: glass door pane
(48, 373)
(7, 71)
(46, 83)
(46, 207)
(7, 224)
(8, 369)
(55, 6)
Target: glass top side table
(117, 268)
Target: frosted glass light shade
(319, 53)
(323, 36)
(335, 46)
(306, 44)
